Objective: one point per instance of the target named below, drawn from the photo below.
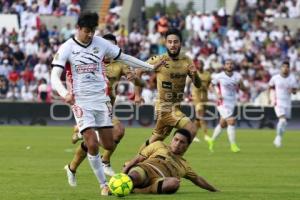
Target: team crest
(95, 50)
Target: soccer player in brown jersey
(114, 71)
(199, 97)
(171, 78)
(158, 167)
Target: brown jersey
(171, 79)
(114, 71)
(160, 158)
(199, 95)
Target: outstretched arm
(202, 183)
(134, 62)
(133, 162)
(59, 86)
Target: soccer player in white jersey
(89, 99)
(226, 85)
(282, 85)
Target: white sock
(96, 165)
(281, 125)
(231, 134)
(217, 132)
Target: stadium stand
(250, 37)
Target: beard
(173, 55)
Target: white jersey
(227, 87)
(88, 71)
(283, 87)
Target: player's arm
(216, 89)
(242, 86)
(139, 158)
(196, 80)
(198, 180)
(202, 183)
(58, 64)
(271, 90)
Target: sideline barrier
(21, 113)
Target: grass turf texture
(32, 161)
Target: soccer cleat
(108, 169)
(71, 177)
(196, 139)
(206, 138)
(234, 148)
(277, 142)
(76, 136)
(210, 145)
(105, 191)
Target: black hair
(185, 133)
(111, 37)
(88, 20)
(174, 31)
(286, 63)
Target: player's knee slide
(84, 147)
(171, 187)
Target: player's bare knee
(136, 178)
(119, 132)
(109, 145)
(170, 185)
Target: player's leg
(282, 114)
(217, 132)
(231, 134)
(89, 120)
(118, 133)
(167, 185)
(200, 122)
(76, 136)
(160, 131)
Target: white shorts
(283, 111)
(225, 111)
(87, 118)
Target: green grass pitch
(32, 161)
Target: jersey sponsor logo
(177, 75)
(87, 68)
(166, 85)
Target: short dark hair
(185, 133)
(88, 20)
(286, 63)
(111, 37)
(174, 31)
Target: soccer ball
(120, 185)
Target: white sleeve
(215, 80)
(134, 62)
(62, 56)
(272, 82)
(110, 50)
(57, 83)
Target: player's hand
(159, 64)
(192, 69)
(130, 76)
(139, 72)
(70, 98)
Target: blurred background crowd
(249, 37)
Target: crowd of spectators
(249, 37)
